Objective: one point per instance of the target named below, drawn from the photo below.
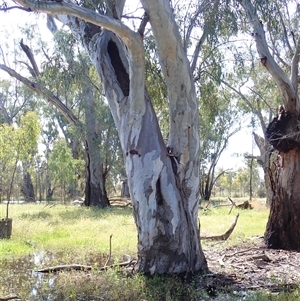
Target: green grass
(250, 223)
(46, 236)
(69, 228)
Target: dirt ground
(251, 266)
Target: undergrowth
(46, 236)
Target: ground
(250, 267)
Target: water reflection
(18, 277)
(42, 280)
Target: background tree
(63, 167)
(18, 143)
(219, 122)
(78, 107)
(278, 46)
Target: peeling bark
(283, 231)
(283, 134)
(165, 202)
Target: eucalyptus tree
(274, 30)
(249, 84)
(163, 179)
(15, 101)
(163, 182)
(219, 122)
(62, 167)
(17, 142)
(65, 81)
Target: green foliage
(17, 143)
(237, 183)
(62, 166)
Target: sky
(240, 143)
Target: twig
(243, 251)
(109, 257)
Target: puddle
(42, 280)
(18, 277)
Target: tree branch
(226, 234)
(130, 38)
(143, 24)
(289, 93)
(45, 92)
(16, 7)
(31, 58)
(295, 65)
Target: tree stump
(5, 228)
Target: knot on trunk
(283, 132)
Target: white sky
(238, 144)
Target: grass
(45, 236)
(251, 223)
(69, 228)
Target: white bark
(164, 192)
(288, 90)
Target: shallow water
(18, 277)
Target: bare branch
(130, 38)
(295, 66)
(143, 24)
(197, 50)
(289, 93)
(31, 58)
(45, 92)
(31, 71)
(285, 33)
(51, 25)
(28, 9)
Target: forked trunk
(165, 207)
(163, 181)
(283, 228)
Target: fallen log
(225, 235)
(80, 267)
(65, 267)
(245, 205)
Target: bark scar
(133, 152)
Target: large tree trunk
(283, 228)
(165, 210)
(163, 182)
(267, 160)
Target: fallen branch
(65, 267)
(80, 267)
(225, 235)
(10, 297)
(245, 205)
